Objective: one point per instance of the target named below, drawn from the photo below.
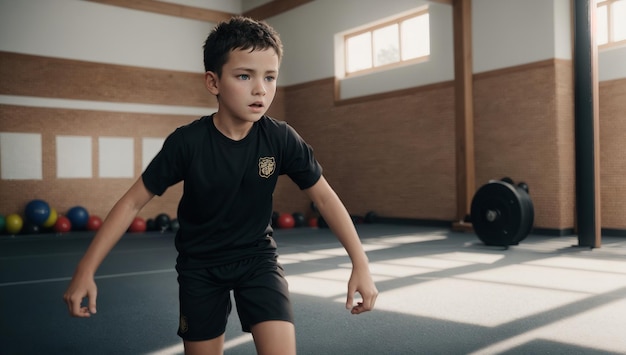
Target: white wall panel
(149, 149)
(116, 157)
(74, 159)
(21, 156)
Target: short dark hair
(238, 33)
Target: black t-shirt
(226, 207)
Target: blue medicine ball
(37, 212)
(78, 216)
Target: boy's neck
(233, 129)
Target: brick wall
(97, 195)
(394, 153)
(391, 153)
(613, 153)
(524, 130)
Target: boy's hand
(361, 282)
(79, 288)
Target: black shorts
(260, 290)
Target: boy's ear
(211, 81)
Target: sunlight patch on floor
(572, 263)
(321, 254)
(478, 258)
(407, 239)
(473, 302)
(342, 252)
(601, 328)
(429, 262)
(383, 269)
(312, 286)
(592, 282)
(299, 257)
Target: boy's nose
(259, 89)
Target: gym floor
(441, 292)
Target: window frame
(370, 29)
(610, 41)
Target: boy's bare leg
(213, 346)
(274, 338)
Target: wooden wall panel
(274, 8)
(565, 143)
(30, 75)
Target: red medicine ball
(286, 221)
(138, 225)
(62, 225)
(94, 223)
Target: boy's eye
(270, 78)
(243, 76)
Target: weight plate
(529, 213)
(499, 214)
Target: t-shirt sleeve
(300, 163)
(167, 167)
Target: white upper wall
(562, 17)
(308, 34)
(612, 64)
(511, 32)
(505, 33)
(438, 68)
(84, 30)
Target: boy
(230, 162)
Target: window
(611, 22)
(401, 40)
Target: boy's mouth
(256, 105)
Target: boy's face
(247, 85)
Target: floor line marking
(111, 276)
(179, 349)
(242, 339)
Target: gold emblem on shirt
(267, 165)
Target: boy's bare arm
(112, 229)
(335, 214)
